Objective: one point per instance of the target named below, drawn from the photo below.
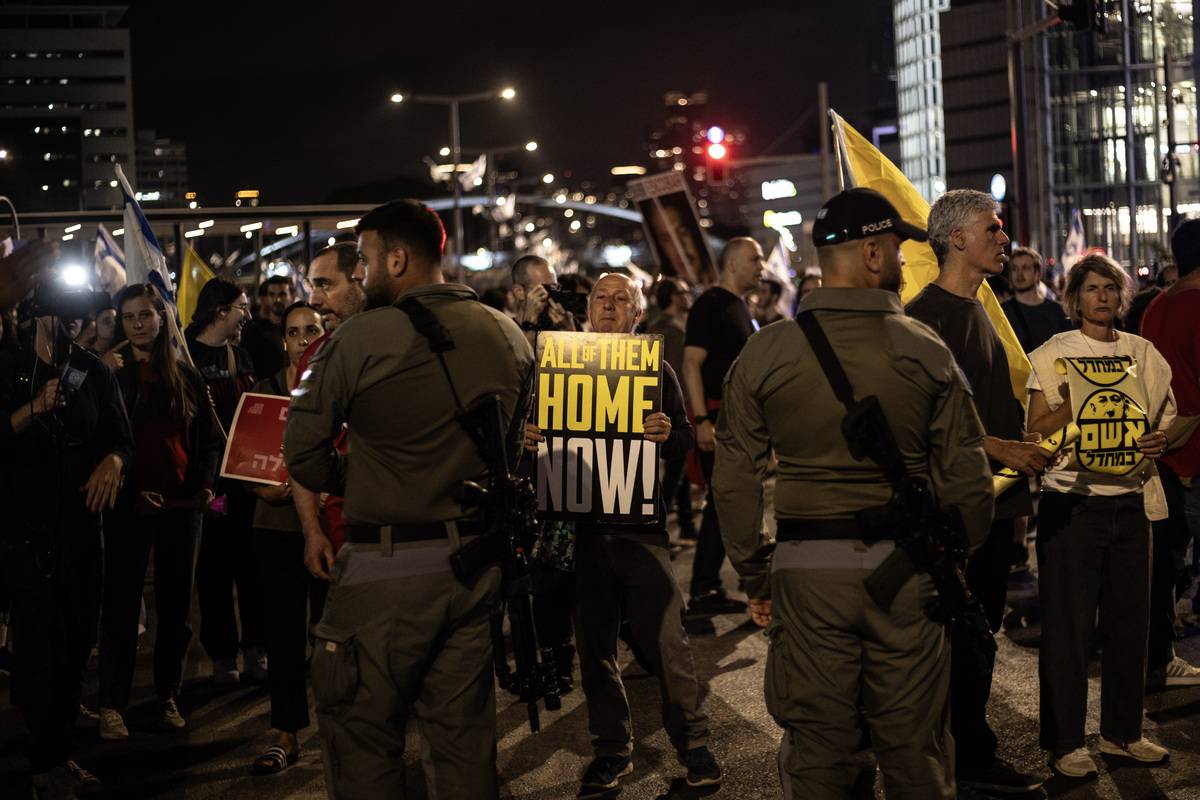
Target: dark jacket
(44, 465)
(205, 443)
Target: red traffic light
(717, 151)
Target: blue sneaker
(604, 773)
(702, 767)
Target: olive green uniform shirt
(778, 399)
(407, 454)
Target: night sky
(266, 95)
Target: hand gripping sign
(593, 392)
(254, 450)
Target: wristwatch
(700, 418)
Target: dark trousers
(226, 559)
(614, 573)
(175, 538)
(55, 609)
(677, 489)
(987, 577)
(1170, 543)
(291, 594)
(1092, 552)
(710, 549)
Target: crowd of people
(342, 574)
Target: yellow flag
(192, 278)
(868, 168)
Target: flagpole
(837, 150)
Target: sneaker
(702, 768)
(1176, 673)
(255, 659)
(998, 776)
(714, 602)
(86, 718)
(85, 783)
(1142, 750)
(1075, 764)
(225, 672)
(605, 772)
(112, 726)
(170, 718)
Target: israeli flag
(1076, 244)
(144, 260)
(145, 263)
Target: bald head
(615, 304)
(871, 263)
(742, 264)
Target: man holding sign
(622, 556)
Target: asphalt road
(229, 727)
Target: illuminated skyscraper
(919, 93)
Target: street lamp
(453, 101)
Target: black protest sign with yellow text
(593, 393)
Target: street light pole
(455, 159)
(454, 101)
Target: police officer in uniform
(401, 635)
(835, 656)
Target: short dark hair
(1185, 246)
(521, 267)
(576, 282)
(410, 224)
(665, 291)
(274, 280)
(287, 312)
(774, 286)
(346, 253)
(217, 293)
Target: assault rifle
(928, 538)
(508, 509)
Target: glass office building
(1115, 129)
(919, 94)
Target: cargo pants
(836, 662)
(401, 636)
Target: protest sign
(673, 228)
(1109, 405)
(254, 451)
(593, 392)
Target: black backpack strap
(828, 360)
(428, 326)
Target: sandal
(274, 759)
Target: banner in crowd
(673, 227)
(864, 166)
(593, 392)
(1076, 244)
(1109, 405)
(192, 278)
(254, 450)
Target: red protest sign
(254, 451)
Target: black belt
(800, 530)
(411, 531)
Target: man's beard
(377, 296)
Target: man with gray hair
(969, 241)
